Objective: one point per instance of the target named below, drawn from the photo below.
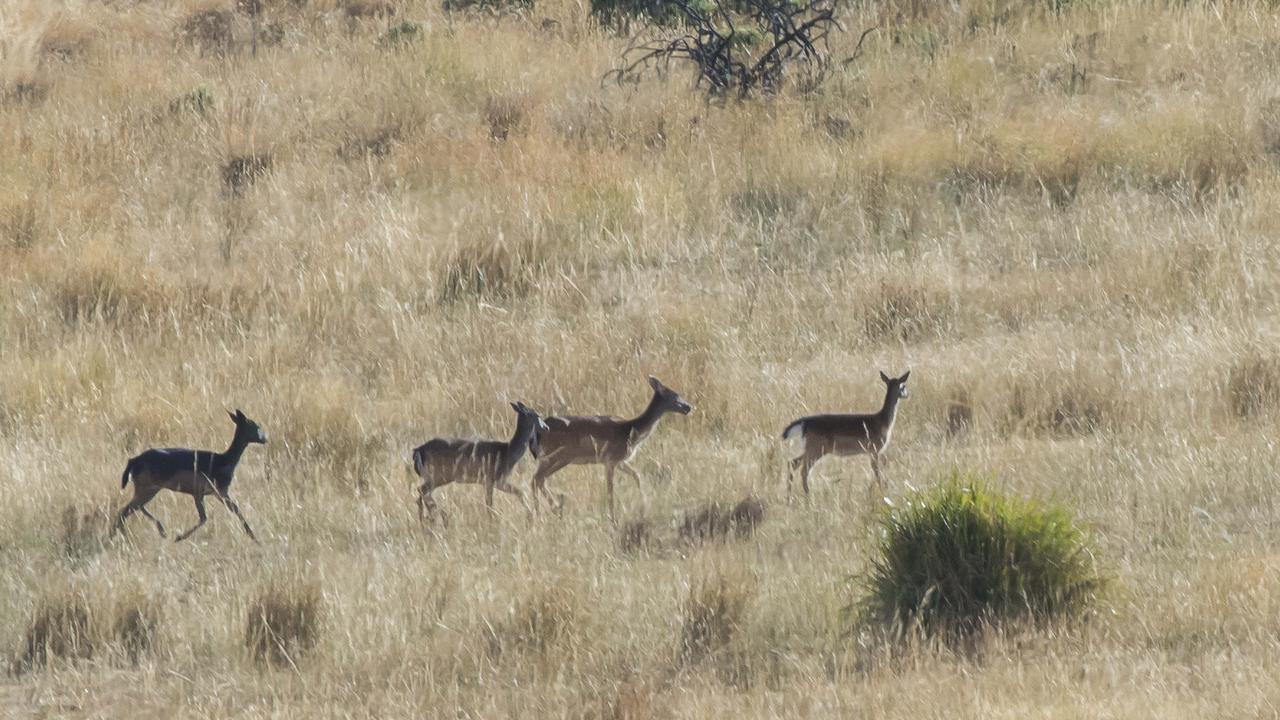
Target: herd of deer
(556, 443)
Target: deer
(855, 434)
(197, 473)
(441, 461)
(600, 440)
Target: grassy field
(1063, 217)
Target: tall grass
(1062, 217)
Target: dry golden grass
(1063, 222)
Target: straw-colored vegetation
(369, 222)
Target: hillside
(1063, 217)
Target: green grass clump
(962, 557)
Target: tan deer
(860, 434)
(441, 461)
(600, 440)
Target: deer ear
(515, 406)
(904, 377)
(231, 415)
(655, 384)
(240, 414)
(884, 377)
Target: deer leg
(625, 467)
(139, 501)
(424, 502)
(159, 526)
(235, 510)
(203, 517)
(805, 467)
(489, 483)
(608, 483)
(794, 465)
(427, 507)
(510, 489)
(124, 513)
(545, 470)
(875, 468)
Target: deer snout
(683, 407)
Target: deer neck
(890, 408)
(231, 457)
(644, 423)
(518, 444)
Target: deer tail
(128, 470)
(417, 462)
(795, 429)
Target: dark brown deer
(194, 472)
(600, 440)
(442, 461)
(860, 434)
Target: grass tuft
(962, 557)
(495, 272)
(537, 622)
(717, 521)
(495, 7)
(197, 102)
(368, 9)
(959, 415)
(61, 627)
(713, 615)
(136, 626)
(505, 117)
(909, 312)
(211, 29)
(402, 33)
(637, 537)
(241, 171)
(1253, 385)
(284, 623)
(83, 533)
(376, 143)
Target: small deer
(195, 472)
(608, 441)
(861, 434)
(446, 460)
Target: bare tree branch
(742, 46)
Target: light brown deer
(600, 440)
(446, 460)
(860, 434)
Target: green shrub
(962, 557)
